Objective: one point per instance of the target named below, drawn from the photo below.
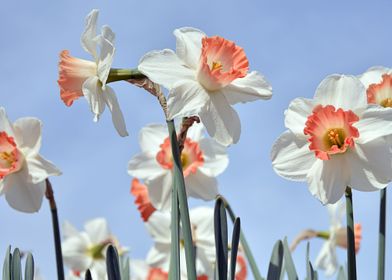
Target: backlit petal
(88, 40)
(201, 186)
(28, 135)
(215, 157)
(145, 167)
(107, 49)
(114, 107)
(188, 45)
(97, 230)
(297, 114)
(249, 88)
(92, 91)
(5, 124)
(40, 168)
(374, 75)
(376, 122)
(151, 137)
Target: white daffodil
(140, 270)
(78, 77)
(335, 140)
(202, 223)
(378, 84)
(87, 249)
(202, 160)
(23, 170)
(205, 76)
(337, 236)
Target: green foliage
(275, 265)
(112, 264)
(221, 239)
(12, 268)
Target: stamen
(336, 137)
(216, 65)
(8, 157)
(387, 102)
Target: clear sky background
(295, 44)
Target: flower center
(330, 131)
(191, 156)
(221, 62)
(96, 251)
(11, 158)
(381, 93)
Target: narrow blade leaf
(275, 265)
(29, 269)
(16, 268)
(7, 264)
(112, 264)
(88, 275)
(235, 241)
(289, 266)
(221, 239)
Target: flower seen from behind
(202, 160)
(205, 76)
(335, 140)
(23, 170)
(79, 77)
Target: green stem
(56, 230)
(123, 75)
(351, 263)
(244, 243)
(178, 178)
(381, 235)
(174, 272)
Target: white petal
(291, 157)
(28, 135)
(74, 252)
(23, 195)
(114, 107)
(326, 259)
(361, 169)
(5, 124)
(93, 93)
(40, 168)
(202, 218)
(2, 190)
(139, 269)
(346, 92)
(159, 256)
(336, 212)
(221, 120)
(327, 179)
(188, 45)
(196, 132)
(249, 88)
(159, 190)
(88, 41)
(165, 68)
(145, 167)
(375, 122)
(158, 226)
(69, 230)
(374, 75)
(151, 137)
(186, 99)
(215, 157)
(201, 186)
(297, 114)
(97, 230)
(105, 60)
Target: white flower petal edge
(252, 87)
(88, 38)
(297, 114)
(188, 45)
(291, 157)
(374, 75)
(341, 91)
(327, 259)
(165, 68)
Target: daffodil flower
(205, 76)
(335, 140)
(79, 77)
(87, 249)
(202, 160)
(337, 236)
(23, 170)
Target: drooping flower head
(335, 140)
(79, 77)
(23, 170)
(205, 77)
(202, 160)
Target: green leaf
(7, 264)
(174, 272)
(289, 266)
(29, 268)
(178, 178)
(275, 265)
(124, 268)
(112, 264)
(88, 275)
(235, 241)
(16, 268)
(221, 239)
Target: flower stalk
(244, 243)
(183, 203)
(351, 263)
(56, 230)
(381, 235)
(116, 75)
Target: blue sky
(295, 44)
